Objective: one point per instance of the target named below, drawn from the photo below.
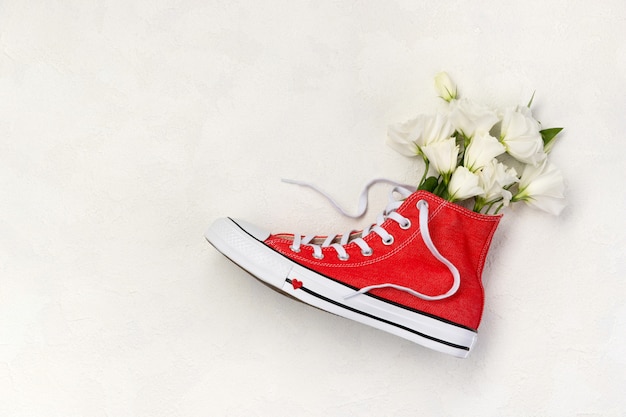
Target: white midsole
(322, 292)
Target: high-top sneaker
(415, 273)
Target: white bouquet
(493, 157)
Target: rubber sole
(305, 285)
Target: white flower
(463, 184)
(436, 128)
(493, 178)
(445, 87)
(509, 161)
(402, 137)
(409, 137)
(520, 135)
(470, 118)
(541, 186)
(481, 150)
(442, 155)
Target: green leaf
(429, 184)
(548, 136)
(441, 189)
(530, 102)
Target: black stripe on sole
(371, 316)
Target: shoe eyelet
(320, 256)
(406, 225)
(343, 258)
(422, 204)
(293, 249)
(368, 252)
(388, 241)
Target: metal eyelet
(293, 249)
(368, 252)
(343, 258)
(388, 241)
(406, 225)
(320, 256)
(422, 204)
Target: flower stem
(492, 202)
(446, 178)
(425, 172)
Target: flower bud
(481, 150)
(445, 87)
(463, 184)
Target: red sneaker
(416, 273)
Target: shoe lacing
(353, 236)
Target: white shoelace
(353, 236)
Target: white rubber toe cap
(242, 242)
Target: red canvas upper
(462, 236)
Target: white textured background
(126, 127)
